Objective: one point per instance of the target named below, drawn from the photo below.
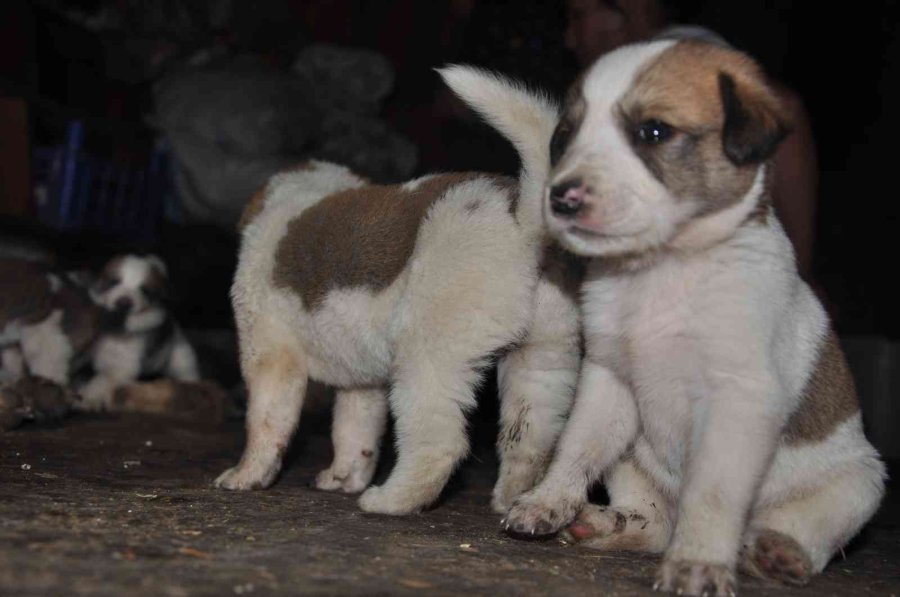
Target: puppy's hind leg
(794, 540)
(359, 420)
(429, 400)
(276, 379)
(537, 385)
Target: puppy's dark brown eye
(653, 132)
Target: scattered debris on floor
(77, 522)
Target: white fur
(694, 363)
(46, 349)
(471, 287)
(525, 118)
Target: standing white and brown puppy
(147, 343)
(399, 296)
(714, 398)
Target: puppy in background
(48, 321)
(714, 398)
(148, 342)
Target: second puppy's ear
(158, 264)
(754, 121)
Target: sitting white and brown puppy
(714, 398)
(399, 296)
(148, 342)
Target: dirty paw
(700, 579)
(777, 556)
(594, 523)
(531, 516)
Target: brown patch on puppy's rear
(361, 237)
(828, 399)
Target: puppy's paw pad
(777, 556)
(596, 522)
(532, 517)
(698, 579)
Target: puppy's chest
(648, 328)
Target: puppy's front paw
(386, 500)
(352, 479)
(242, 478)
(770, 554)
(535, 516)
(700, 579)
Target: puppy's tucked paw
(242, 478)
(700, 579)
(387, 500)
(595, 523)
(534, 516)
(774, 555)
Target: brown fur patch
(828, 399)
(360, 237)
(570, 121)
(563, 269)
(682, 89)
(157, 283)
(82, 320)
(253, 207)
(25, 292)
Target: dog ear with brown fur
(754, 123)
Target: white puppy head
(135, 286)
(661, 146)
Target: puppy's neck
(717, 227)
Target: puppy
(399, 296)
(714, 399)
(48, 322)
(148, 343)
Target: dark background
(842, 58)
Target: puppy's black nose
(567, 198)
(123, 303)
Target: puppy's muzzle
(567, 198)
(123, 304)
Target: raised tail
(524, 117)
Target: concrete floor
(124, 506)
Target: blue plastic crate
(76, 191)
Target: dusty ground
(123, 506)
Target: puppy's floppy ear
(754, 122)
(158, 264)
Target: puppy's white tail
(524, 117)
